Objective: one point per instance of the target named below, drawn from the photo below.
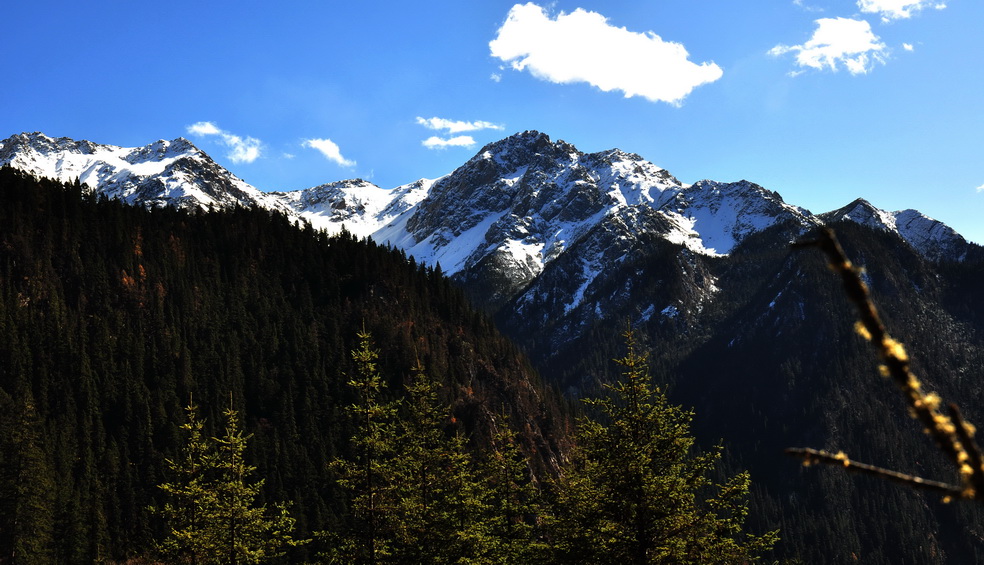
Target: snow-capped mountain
(357, 206)
(565, 247)
(164, 173)
(930, 237)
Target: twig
(965, 432)
(813, 456)
(951, 433)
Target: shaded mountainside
(770, 360)
(784, 368)
(112, 317)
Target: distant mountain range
(523, 200)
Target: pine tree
(244, 532)
(26, 485)
(439, 498)
(514, 504)
(191, 496)
(635, 489)
(212, 516)
(366, 476)
(416, 492)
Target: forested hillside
(228, 387)
(772, 361)
(113, 318)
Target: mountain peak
(929, 237)
(40, 143)
(524, 148)
(862, 212)
(162, 173)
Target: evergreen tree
(439, 499)
(212, 516)
(366, 476)
(514, 502)
(417, 493)
(636, 491)
(244, 532)
(191, 496)
(26, 485)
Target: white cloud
(496, 77)
(838, 41)
(980, 188)
(241, 149)
(583, 47)
(203, 128)
(441, 143)
(330, 150)
(908, 47)
(807, 7)
(453, 126)
(897, 9)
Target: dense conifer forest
(112, 318)
(151, 359)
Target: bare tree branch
(950, 432)
(813, 456)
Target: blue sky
(821, 100)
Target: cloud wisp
(241, 149)
(583, 46)
(330, 150)
(838, 42)
(452, 127)
(897, 9)
(435, 142)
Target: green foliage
(26, 485)
(367, 476)
(416, 492)
(635, 491)
(191, 496)
(212, 513)
(515, 504)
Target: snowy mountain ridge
(163, 173)
(930, 237)
(519, 203)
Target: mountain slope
(930, 237)
(113, 317)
